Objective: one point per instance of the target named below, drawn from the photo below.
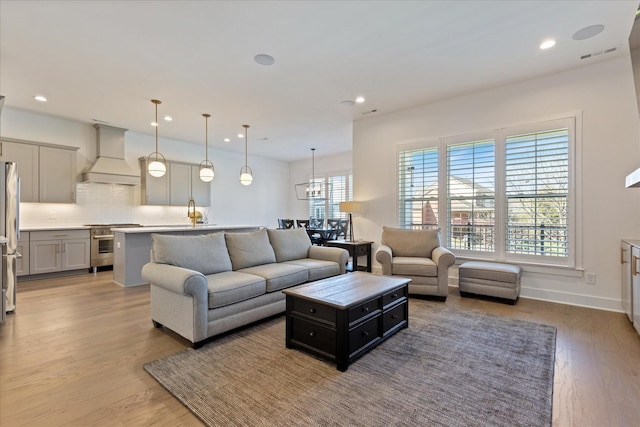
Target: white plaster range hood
(110, 166)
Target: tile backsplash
(102, 204)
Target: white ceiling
(106, 60)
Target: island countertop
(174, 228)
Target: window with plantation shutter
(537, 192)
(505, 194)
(471, 195)
(418, 188)
(338, 189)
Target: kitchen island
(132, 246)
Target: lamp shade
(351, 207)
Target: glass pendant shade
(206, 167)
(156, 164)
(246, 174)
(313, 189)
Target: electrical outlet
(591, 278)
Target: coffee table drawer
(365, 309)
(315, 310)
(313, 335)
(394, 295)
(394, 317)
(364, 334)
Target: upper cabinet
(176, 187)
(47, 173)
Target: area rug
(451, 367)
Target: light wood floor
(72, 355)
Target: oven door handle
(103, 236)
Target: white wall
(604, 95)
(232, 203)
(300, 172)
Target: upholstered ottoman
(490, 279)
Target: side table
(356, 249)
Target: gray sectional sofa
(204, 285)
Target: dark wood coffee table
(343, 317)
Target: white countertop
(58, 227)
(166, 228)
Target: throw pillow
(289, 244)
(206, 253)
(249, 249)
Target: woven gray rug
(449, 368)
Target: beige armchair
(417, 255)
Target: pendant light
(312, 189)
(156, 163)
(206, 167)
(246, 174)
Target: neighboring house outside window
(501, 195)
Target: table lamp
(350, 207)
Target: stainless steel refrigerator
(10, 228)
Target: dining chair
(316, 223)
(302, 223)
(285, 223)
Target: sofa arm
(384, 255)
(443, 257)
(176, 279)
(325, 253)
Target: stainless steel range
(102, 243)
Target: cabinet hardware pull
(394, 317)
(312, 334)
(634, 268)
(312, 310)
(365, 309)
(394, 295)
(365, 334)
(622, 251)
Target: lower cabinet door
(76, 254)
(44, 256)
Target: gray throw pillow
(204, 253)
(415, 243)
(249, 249)
(289, 244)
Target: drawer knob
(394, 295)
(394, 317)
(365, 334)
(365, 309)
(312, 310)
(312, 333)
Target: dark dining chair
(333, 225)
(316, 223)
(302, 223)
(285, 223)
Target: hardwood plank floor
(72, 355)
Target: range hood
(110, 166)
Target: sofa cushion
(290, 244)
(279, 275)
(230, 287)
(318, 269)
(249, 249)
(411, 243)
(204, 253)
(414, 266)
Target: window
(338, 189)
(506, 194)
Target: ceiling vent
(598, 53)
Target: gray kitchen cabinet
(26, 155)
(22, 247)
(155, 191)
(635, 283)
(630, 262)
(57, 175)
(47, 172)
(59, 250)
(181, 182)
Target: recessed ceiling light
(264, 59)
(547, 44)
(240, 135)
(168, 118)
(588, 32)
(360, 99)
(226, 140)
(40, 98)
(154, 124)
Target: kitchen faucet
(190, 214)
